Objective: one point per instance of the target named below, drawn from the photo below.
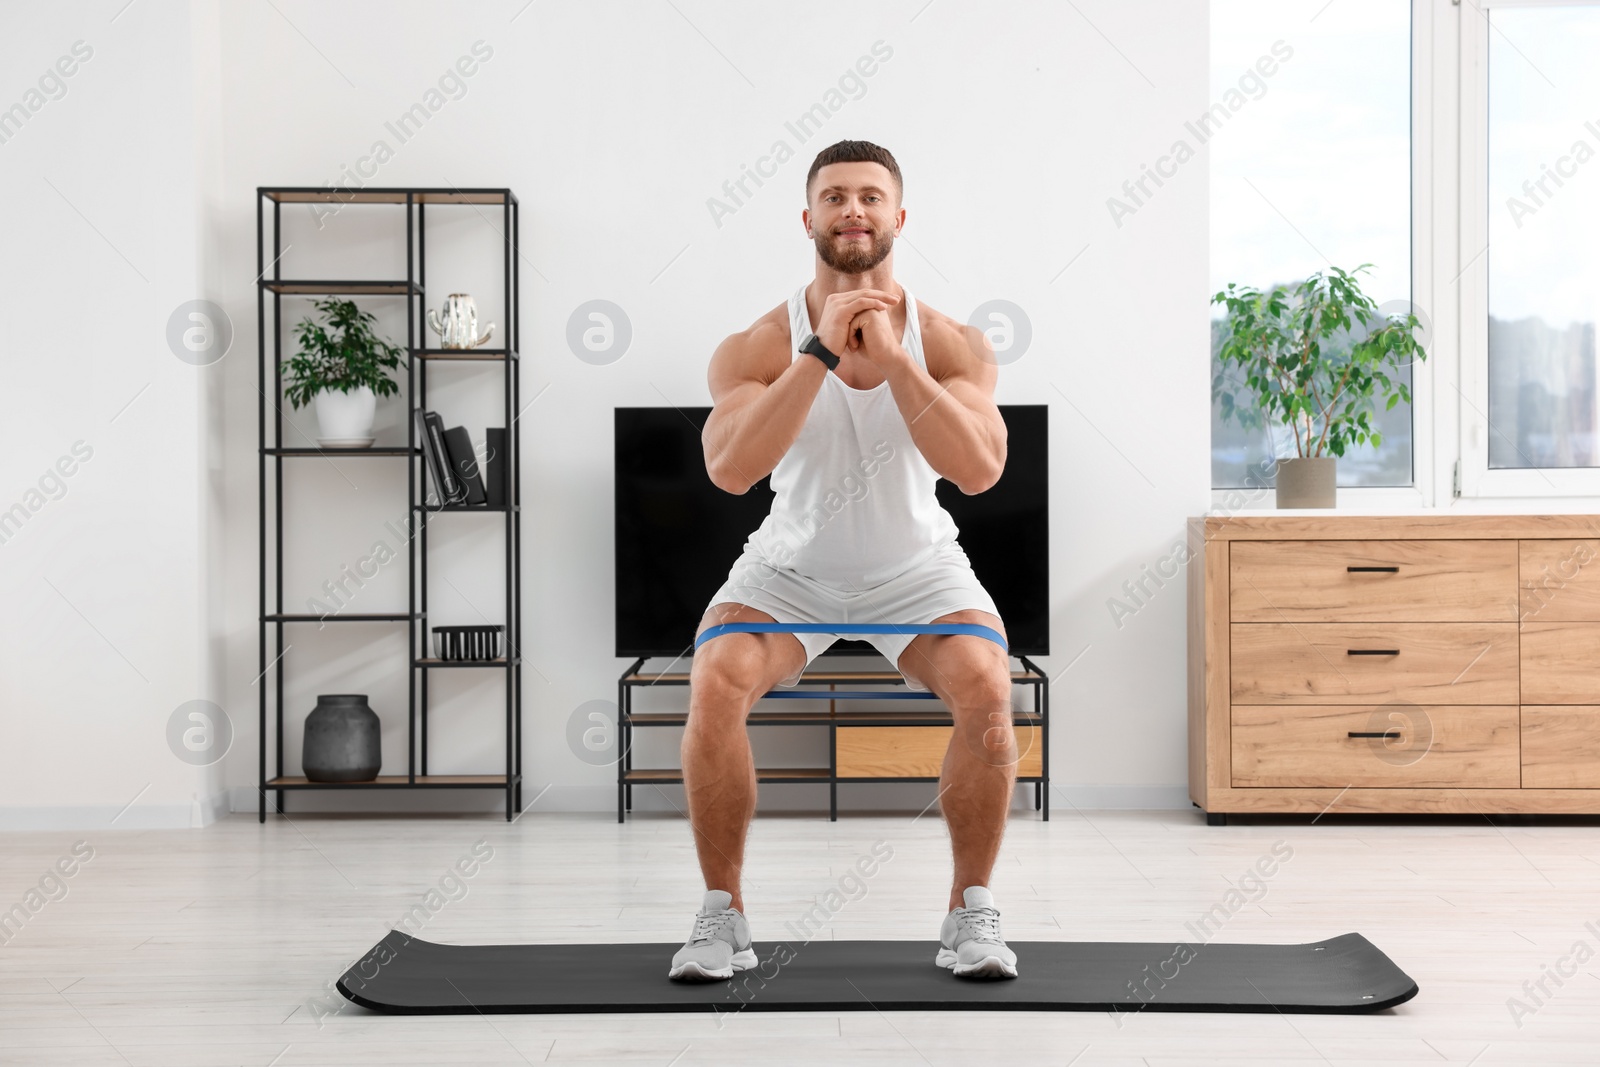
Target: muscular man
(854, 435)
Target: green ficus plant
(343, 355)
(1318, 359)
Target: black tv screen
(677, 534)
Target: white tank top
(854, 502)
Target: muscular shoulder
(760, 352)
(951, 346)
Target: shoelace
(706, 926)
(984, 923)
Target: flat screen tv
(677, 534)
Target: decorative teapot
(460, 326)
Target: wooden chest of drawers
(1396, 663)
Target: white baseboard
(214, 807)
(854, 797)
(199, 812)
(1064, 798)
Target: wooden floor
(220, 946)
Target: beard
(851, 256)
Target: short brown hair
(856, 152)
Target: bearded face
(853, 247)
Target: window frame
(1450, 282)
(1428, 78)
(1479, 481)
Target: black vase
(341, 740)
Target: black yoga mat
(1346, 974)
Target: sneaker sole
(690, 971)
(988, 967)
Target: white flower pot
(345, 419)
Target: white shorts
(938, 586)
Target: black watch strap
(818, 349)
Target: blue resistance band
(972, 628)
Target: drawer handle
(1374, 733)
(1374, 570)
(1372, 651)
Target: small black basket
(467, 642)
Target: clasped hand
(857, 323)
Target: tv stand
(891, 745)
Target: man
(856, 399)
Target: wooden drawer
(1561, 662)
(1559, 580)
(1373, 581)
(1440, 746)
(1351, 663)
(1561, 747)
(916, 751)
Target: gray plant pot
(341, 740)
(1307, 482)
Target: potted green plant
(342, 367)
(1318, 359)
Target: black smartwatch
(816, 348)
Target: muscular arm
(760, 396)
(950, 407)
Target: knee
(982, 716)
(979, 676)
(723, 676)
(981, 697)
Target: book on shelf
(495, 444)
(464, 464)
(436, 456)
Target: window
(1543, 226)
(1529, 290)
(1311, 168)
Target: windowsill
(1402, 500)
(1386, 500)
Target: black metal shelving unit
(272, 616)
(634, 677)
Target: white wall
(614, 124)
(110, 608)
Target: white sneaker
(718, 945)
(970, 941)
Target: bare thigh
(949, 664)
(754, 661)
